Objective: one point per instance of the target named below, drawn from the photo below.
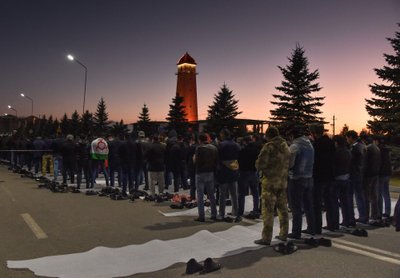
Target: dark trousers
(321, 199)
(345, 196)
(83, 167)
(371, 193)
(301, 196)
(115, 168)
(95, 165)
(332, 206)
(359, 194)
(127, 178)
(140, 174)
(193, 185)
(248, 180)
(68, 168)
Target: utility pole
(333, 124)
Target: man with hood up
(273, 165)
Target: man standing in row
(273, 165)
(205, 161)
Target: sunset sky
(131, 49)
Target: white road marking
(366, 253)
(8, 192)
(376, 250)
(37, 231)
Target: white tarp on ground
(103, 262)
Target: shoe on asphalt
(325, 242)
(229, 219)
(213, 218)
(200, 219)
(262, 242)
(294, 236)
(192, 266)
(281, 248)
(281, 238)
(290, 248)
(210, 266)
(238, 219)
(311, 241)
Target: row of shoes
(209, 265)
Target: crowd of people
(307, 172)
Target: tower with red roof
(186, 86)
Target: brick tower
(186, 86)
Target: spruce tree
(143, 122)
(384, 107)
(296, 107)
(75, 124)
(176, 116)
(101, 118)
(119, 129)
(49, 127)
(87, 123)
(65, 125)
(224, 110)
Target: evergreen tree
(384, 107)
(344, 130)
(101, 118)
(119, 129)
(296, 107)
(143, 122)
(224, 110)
(87, 123)
(75, 124)
(49, 127)
(176, 116)
(65, 125)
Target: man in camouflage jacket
(273, 165)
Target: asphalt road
(75, 223)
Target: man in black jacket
(324, 152)
(341, 185)
(68, 152)
(82, 158)
(371, 180)
(128, 153)
(248, 177)
(384, 176)
(357, 168)
(155, 155)
(114, 161)
(206, 160)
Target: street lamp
(25, 96)
(12, 108)
(72, 58)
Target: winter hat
(272, 132)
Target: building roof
(186, 59)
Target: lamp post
(25, 96)
(72, 58)
(12, 108)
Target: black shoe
(294, 236)
(238, 219)
(262, 242)
(213, 218)
(325, 242)
(290, 248)
(229, 219)
(192, 266)
(311, 241)
(210, 266)
(200, 219)
(305, 231)
(281, 238)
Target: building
(186, 86)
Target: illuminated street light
(12, 108)
(25, 96)
(72, 58)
